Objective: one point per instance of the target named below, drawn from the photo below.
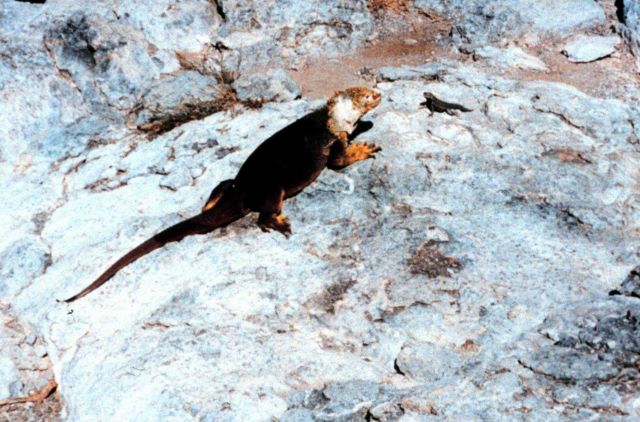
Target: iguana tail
(228, 209)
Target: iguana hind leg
(271, 216)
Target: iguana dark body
(435, 104)
(278, 169)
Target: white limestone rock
(585, 48)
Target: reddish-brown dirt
(393, 6)
(320, 77)
(423, 42)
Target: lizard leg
(271, 216)
(345, 155)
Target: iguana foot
(362, 151)
(277, 222)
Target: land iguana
(437, 105)
(281, 167)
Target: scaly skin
(281, 167)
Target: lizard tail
(227, 210)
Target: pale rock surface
(629, 16)
(482, 22)
(462, 275)
(560, 17)
(316, 324)
(585, 48)
(173, 100)
(511, 56)
(259, 88)
(262, 31)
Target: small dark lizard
(435, 104)
(281, 167)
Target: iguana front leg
(343, 154)
(271, 216)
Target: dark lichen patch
(74, 39)
(224, 151)
(209, 143)
(562, 213)
(430, 261)
(603, 347)
(333, 294)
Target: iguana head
(347, 107)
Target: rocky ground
(484, 267)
